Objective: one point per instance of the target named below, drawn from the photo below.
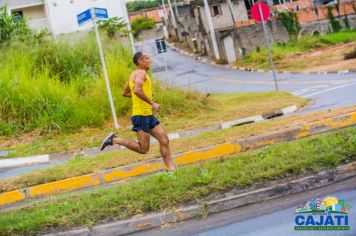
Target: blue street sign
(83, 17)
(101, 13)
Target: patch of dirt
(326, 59)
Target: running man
(139, 88)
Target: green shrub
(14, 28)
(142, 23)
(112, 26)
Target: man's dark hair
(137, 57)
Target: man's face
(144, 61)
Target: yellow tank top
(140, 107)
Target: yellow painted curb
(217, 151)
(11, 197)
(214, 152)
(332, 123)
(139, 170)
(64, 185)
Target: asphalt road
(269, 218)
(327, 91)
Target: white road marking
(309, 89)
(328, 90)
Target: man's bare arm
(126, 92)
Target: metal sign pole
(104, 68)
(164, 57)
(268, 47)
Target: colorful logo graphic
(328, 214)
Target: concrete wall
(249, 37)
(154, 33)
(35, 12)
(63, 13)
(323, 26)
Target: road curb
(205, 60)
(22, 161)
(233, 201)
(94, 151)
(156, 165)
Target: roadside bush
(142, 23)
(112, 26)
(17, 29)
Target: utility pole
(103, 65)
(126, 16)
(164, 20)
(176, 8)
(268, 47)
(231, 11)
(173, 18)
(211, 30)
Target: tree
(113, 25)
(140, 5)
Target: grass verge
(188, 184)
(223, 107)
(80, 166)
(284, 54)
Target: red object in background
(255, 12)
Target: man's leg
(160, 134)
(142, 146)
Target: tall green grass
(60, 87)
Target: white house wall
(63, 13)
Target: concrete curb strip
(92, 152)
(156, 220)
(21, 161)
(156, 165)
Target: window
(18, 15)
(215, 10)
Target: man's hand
(156, 107)
(126, 92)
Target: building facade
(59, 16)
